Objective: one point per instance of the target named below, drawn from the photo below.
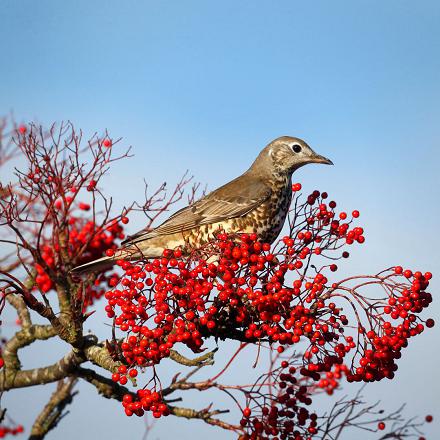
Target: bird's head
(286, 154)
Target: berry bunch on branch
(306, 330)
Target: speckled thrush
(257, 201)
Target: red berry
(429, 418)
(430, 323)
(84, 206)
(381, 426)
(127, 398)
(247, 412)
(124, 220)
(107, 143)
(407, 273)
(92, 185)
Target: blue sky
(205, 85)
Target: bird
(258, 202)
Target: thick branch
(23, 338)
(12, 377)
(100, 356)
(206, 359)
(53, 412)
(105, 386)
(205, 415)
(39, 376)
(18, 303)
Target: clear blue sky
(203, 85)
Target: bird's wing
(234, 199)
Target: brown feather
(235, 199)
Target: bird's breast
(268, 219)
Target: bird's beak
(321, 159)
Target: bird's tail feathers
(129, 253)
(95, 265)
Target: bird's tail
(95, 266)
(126, 253)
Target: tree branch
(23, 338)
(53, 411)
(105, 386)
(18, 303)
(206, 359)
(205, 415)
(39, 376)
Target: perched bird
(257, 201)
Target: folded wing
(235, 199)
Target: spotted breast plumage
(257, 201)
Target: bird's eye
(296, 148)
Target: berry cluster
(332, 378)
(264, 293)
(84, 238)
(287, 416)
(385, 342)
(145, 400)
(6, 430)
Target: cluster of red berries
(176, 299)
(323, 223)
(412, 299)
(332, 378)
(138, 302)
(385, 342)
(287, 417)
(179, 300)
(382, 343)
(5, 430)
(145, 400)
(85, 237)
